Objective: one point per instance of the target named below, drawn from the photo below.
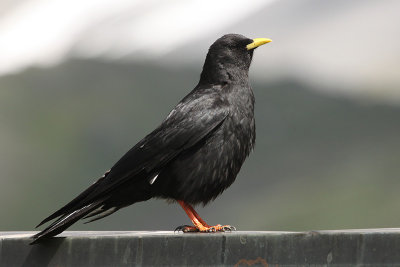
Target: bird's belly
(205, 171)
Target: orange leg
(199, 223)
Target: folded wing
(192, 120)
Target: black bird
(192, 157)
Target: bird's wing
(193, 119)
(190, 121)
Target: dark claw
(186, 229)
(225, 228)
(180, 228)
(230, 228)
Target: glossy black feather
(195, 153)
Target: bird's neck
(222, 73)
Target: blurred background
(83, 81)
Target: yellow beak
(257, 42)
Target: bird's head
(229, 58)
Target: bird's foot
(199, 224)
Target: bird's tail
(66, 221)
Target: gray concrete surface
(375, 247)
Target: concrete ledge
(332, 248)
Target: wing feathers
(192, 120)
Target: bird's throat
(220, 75)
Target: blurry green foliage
(320, 161)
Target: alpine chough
(192, 157)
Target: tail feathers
(101, 214)
(71, 206)
(65, 221)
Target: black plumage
(193, 156)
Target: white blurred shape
(351, 47)
(166, 27)
(346, 47)
(43, 32)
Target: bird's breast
(204, 171)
